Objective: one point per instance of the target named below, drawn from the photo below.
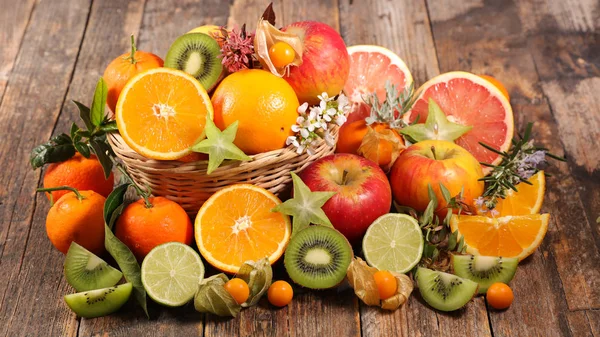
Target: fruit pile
(428, 186)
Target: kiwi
(485, 270)
(443, 291)
(198, 55)
(85, 271)
(100, 302)
(317, 257)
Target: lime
(393, 242)
(171, 273)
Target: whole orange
(124, 67)
(78, 172)
(82, 221)
(265, 106)
(141, 228)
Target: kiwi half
(485, 270)
(443, 291)
(85, 271)
(317, 257)
(100, 302)
(198, 55)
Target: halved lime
(171, 273)
(393, 242)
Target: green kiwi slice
(485, 270)
(317, 257)
(198, 55)
(86, 271)
(443, 291)
(100, 302)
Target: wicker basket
(189, 185)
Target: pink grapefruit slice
(370, 68)
(468, 99)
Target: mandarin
(78, 172)
(265, 106)
(123, 68)
(142, 228)
(77, 218)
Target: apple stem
(344, 177)
(433, 151)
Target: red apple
(325, 61)
(434, 162)
(364, 192)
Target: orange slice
(528, 200)
(471, 100)
(236, 225)
(508, 236)
(162, 112)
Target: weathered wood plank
(14, 19)
(32, 288)
(580, 324)
(491, 40)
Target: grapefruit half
(370, 68)
(470, 100)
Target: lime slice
(393, 242)
(171, 273)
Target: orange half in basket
(162, 112)
(236, 225)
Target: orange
(162, 112)
(528, 200)
(123, 68)
(265, 106)
(141, 228)
(78, 172)
(82, 221)
(508, 236)
(236, 225)
(498, 85)
(468, 99)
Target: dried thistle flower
(237, 48)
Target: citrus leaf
(213, 298)
(99, 103)
(258, 275)
(82, 148)
(56, 150)
(101, 149)
(113, 206)
(84, 114)
(109, 126)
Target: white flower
(328, 139)
(300, 149)
(342, 102)
(295, 128)
(304, 133)
(290, 139)
(324, 97)
(327, 118)
(302, 108)
(331, 112)
(341, 119)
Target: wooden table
(547, 53)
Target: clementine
(265, 106)
(78, 172)
(124, 67)
(77, 217)
(142, 228)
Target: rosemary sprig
(393, 107)
(518, 164)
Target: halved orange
(528, 199)
(508, 236)
(236, 225)
(162, 112)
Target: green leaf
(213, 298)
(99, 103)
(109, 126)
(445, 193)
(219, 145)
(82, 148)
(428, 250)
(427, 216)
(56, 150)
(84, 114)
(258, 275)
(432, 195)
(119, 251)
(461, 245)
(101, 149)
(114, 200)
(452, 240)
(305, 207)
(73, 132)
(437, 126)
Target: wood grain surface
(546, 52)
